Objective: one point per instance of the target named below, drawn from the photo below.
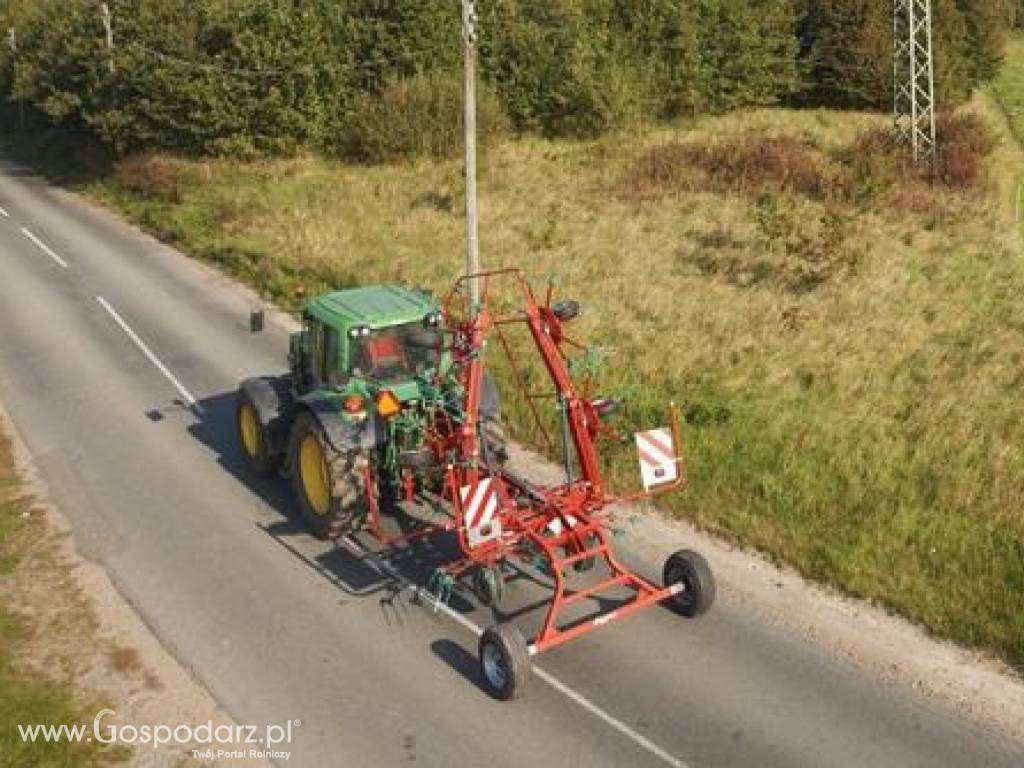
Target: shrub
(878, 159)
(151, 175)
(964, 141)
(413, 116)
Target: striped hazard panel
(657, 453)
(479, 510)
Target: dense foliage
(246, 77)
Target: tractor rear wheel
(504, 661)
(690, 571)
(328, 484)
(252, 437)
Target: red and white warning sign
(479, 507)
(657, 453)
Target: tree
(747, 52)
(846, 53)
(986, 24)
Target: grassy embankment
(847, 342)
(42, 623)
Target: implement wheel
(328, 484)
(252, 437)
(504, 661)
(692, 572)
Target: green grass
(1009, 91)
(26, 695)
(863, 425)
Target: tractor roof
(376, 306)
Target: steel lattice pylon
(914, 76)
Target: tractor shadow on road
(352, 573)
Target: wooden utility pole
(12, 42)
(108, 28)
(469, 124)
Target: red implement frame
(559, 525)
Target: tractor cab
(366, 338)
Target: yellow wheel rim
(250, 430)
(313, 470)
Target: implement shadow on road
(358, 577)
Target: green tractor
(369, 372)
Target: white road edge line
(547, 677)
(185, 394)
(44, 247)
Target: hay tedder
(389, 401)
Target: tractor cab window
(321, 352)
(311, 349)
(396, 352)
(334, 376)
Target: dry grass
(849, 364)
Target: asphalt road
(106, 338)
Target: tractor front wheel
(691, 572)
(328, 484)
(504, 661)
(252, 436)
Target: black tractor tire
(492, 428)
(332, 496)
(504, 661)
(495, 441)
(489, 585)
(253, 437)
(690, 569)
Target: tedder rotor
(389, 398)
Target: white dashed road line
(44, 248)
(4, 213)
(547, 677)
(185, 394)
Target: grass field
(848, 347)
(33, 686)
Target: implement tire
(328, 484)
(690, 570)
(504, 660)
